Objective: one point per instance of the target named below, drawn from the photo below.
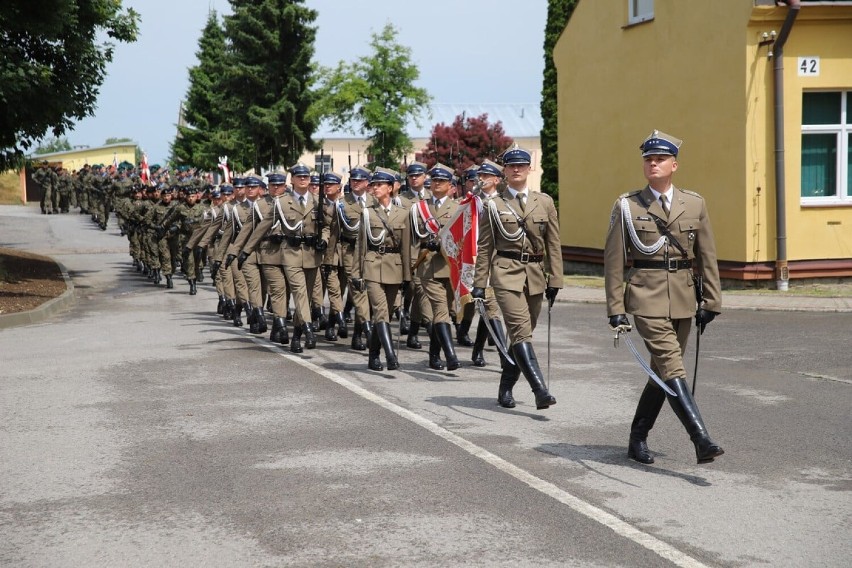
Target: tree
(375, 96)
(268, 79)
(52, 65)
(558, 14)
(54, 144)
(205, 132)
(465, 142)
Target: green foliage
(558, 14)
(112, 140)
(466, 142)
(51, 145)
(267, 83)
(52, 65)
(375, 96)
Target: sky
(467, 51)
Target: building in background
(713, 74)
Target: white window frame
(843, 132)
(639, 11)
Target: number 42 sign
(809, 66)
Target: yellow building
(713, 74)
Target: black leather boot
(289, 316)
(446, 338)
(285, 334)
(706, 450)
(220, 307)
(367, 329)
(508, 378)
(261, 320)
(257, 317)
(157, 277)
(342, 332)
(528, 364)
(462, 333)
(275, 334)
(238, 310)
(357, 337)
(434, 348)
(330, 333)
(404, 322)
(310, 336)
(296, 342)
(383, 330)
(316, 316)
(169, 283)
(413, 342)
(647, 410)
(249, 313)
(228, 311)
(477, 355)
(374, 361)
(497, 326)
(193, 290)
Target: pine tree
(376, 96)
(203, 132)
(268, 80)
(466, 142)
(558, 14)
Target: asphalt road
(140, 429)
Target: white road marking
(620, 527)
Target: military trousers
(520, 313)
(277, 282)
(381, 297)
(666, 340)
(439, 291)
(255, 280)
(240, 286)
(335, 287)
(421, 308)
(300, 282)
(359, 297)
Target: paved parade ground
(141, 429)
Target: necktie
(522, 200)
(302, 202)
(665, 203)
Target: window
(323, 163)
(640, 11)
(826, 148)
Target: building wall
(76, 159)
(696, 71)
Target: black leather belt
(672, 264)
(522, 256)
(296, 240)
(348, 240)
(383, 249)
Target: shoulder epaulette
(689, 192)
(630, 193)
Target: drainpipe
(782, 274)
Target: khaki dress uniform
(520, 254)
(669, 250)
(415, 301)
(433, 273)
(383, 261)
(350, 218)
(334, 273)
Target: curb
(48, 309)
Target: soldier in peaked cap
(350, 223)
(256, 283)
(520, 254)
(427, 218)
(383, 263)
(332, 263)
(664, 234)
(489, 175)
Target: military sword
(498, 340)
(642, 363)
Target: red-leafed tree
(466, 142)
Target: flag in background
(458, 244)
(145, 175)
(114, 161)
(223, 165)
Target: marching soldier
(664, 234)
(427, 218)
(191, 226)
(489, 176)
(334, 273)
(383, 263)
(415, 305)
(519, 250)
(350, 218)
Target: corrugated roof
(520, 120)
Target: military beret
(190, 190)
(167, 189)
(489, 167)
(382, 175)
(300, 169)
(515, 155)
(440, 171)
(660, 143)
(415, 168)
